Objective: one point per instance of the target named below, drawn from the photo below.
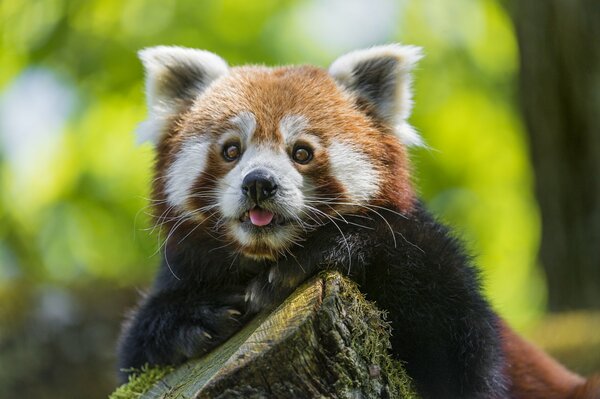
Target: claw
(234, 313)
(271, 275)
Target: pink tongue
(260, 217)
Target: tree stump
(324, 341)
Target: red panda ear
(381, 77)
(175, 76)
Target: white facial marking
(291, 126)
(183, 172)
(244, 125)
(354, 171)
(245, 122)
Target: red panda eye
(302, 155)
(231, 152)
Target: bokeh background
(76, 244)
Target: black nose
(259, 185)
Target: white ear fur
(175, 76)
(381, 76)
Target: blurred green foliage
(74, 186)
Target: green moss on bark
(371, 338)
(140, 382)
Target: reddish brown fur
(535, 375)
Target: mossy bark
(325, 340)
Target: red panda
(265, 176)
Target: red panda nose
(259, 185)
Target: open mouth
(261, 218)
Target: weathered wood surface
(325, 341)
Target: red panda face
(260, 157)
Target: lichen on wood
(325, 340)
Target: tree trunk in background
(559, 43)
